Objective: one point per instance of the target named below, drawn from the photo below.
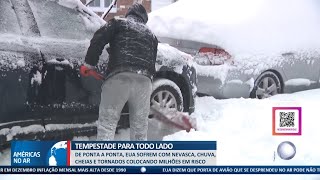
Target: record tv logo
(286, 150)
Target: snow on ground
(243, 131)
(5, 158)
(241, 26)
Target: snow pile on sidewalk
(246, 26)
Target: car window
(57, 21)
(8, 19)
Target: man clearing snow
(131, 66)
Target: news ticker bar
(163, 170)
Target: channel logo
(286, 150)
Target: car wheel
(166, 95)
(267, 84)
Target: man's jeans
(116, 91)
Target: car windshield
(65, 19)
(8, 20)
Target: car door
(65, 37)
(18, 116)
(301, 69)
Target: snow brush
(175, 119)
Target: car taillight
(216, 56)
(215, 51)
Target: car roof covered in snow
(242, 26)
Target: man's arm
(98, 42)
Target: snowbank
(246, 26)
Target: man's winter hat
(138, 10)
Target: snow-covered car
(42, 45)
(246, 48)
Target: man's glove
(85, 69)
(88, 70)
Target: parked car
(222, 76)
(239, 54)
(42, 45)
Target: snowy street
(243, 130)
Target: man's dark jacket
(133, 47)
